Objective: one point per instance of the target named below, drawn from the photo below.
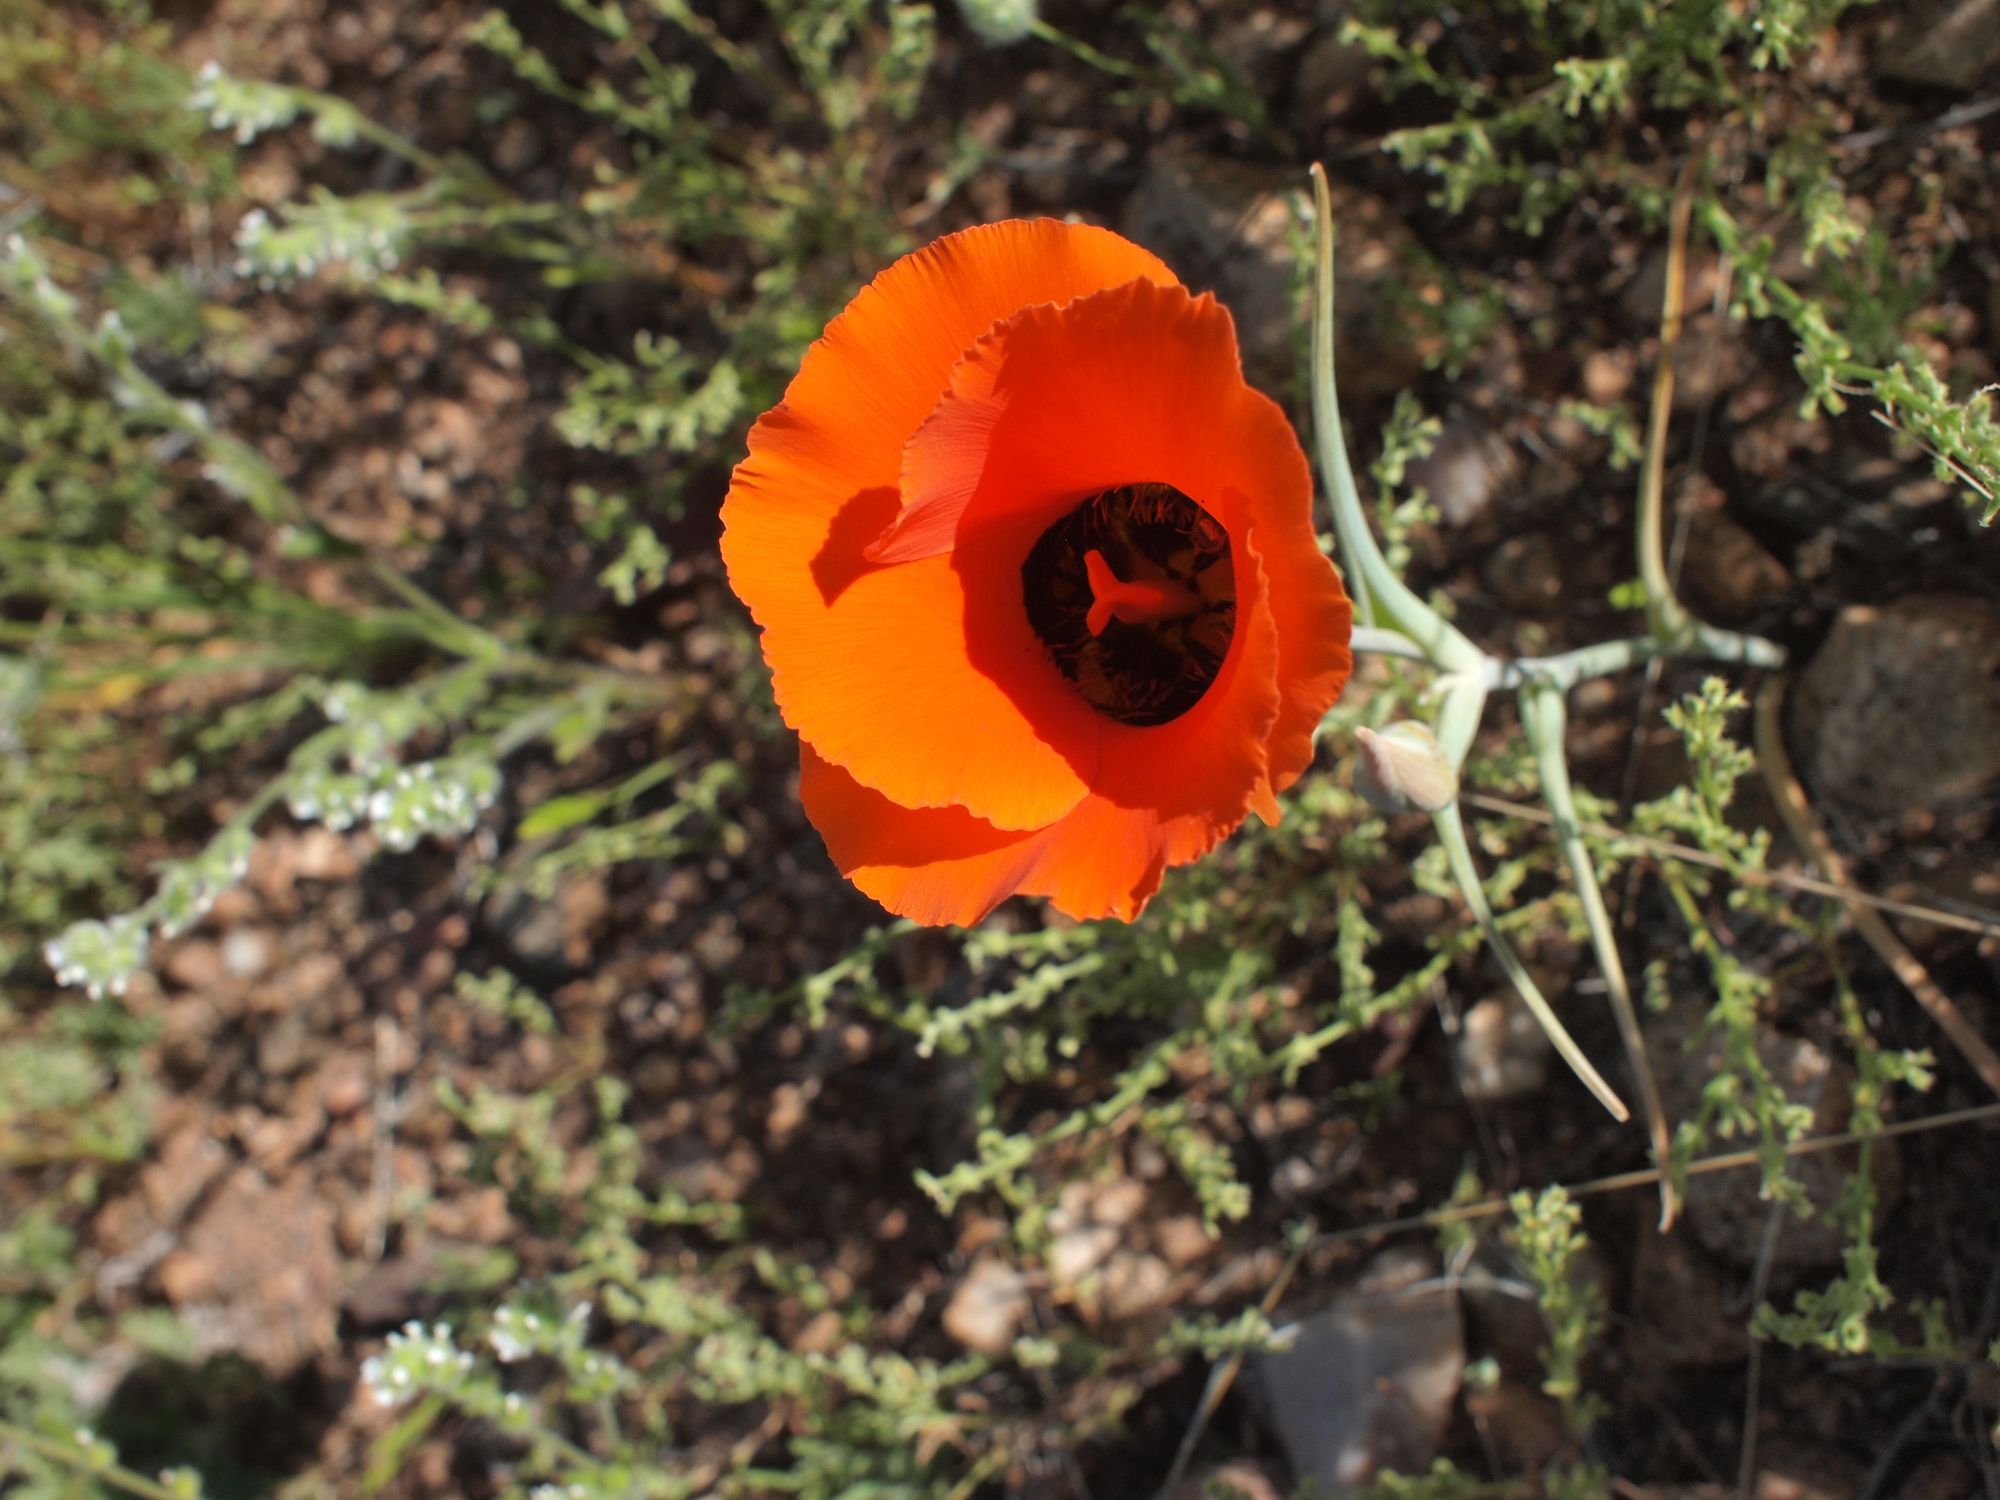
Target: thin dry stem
(1545, 715)
(1728, 1161)
(1663, 610)
(1666, 849)
(1224, 1375)
(1798, 815)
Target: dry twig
(1798, 815)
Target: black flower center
(1134, 596)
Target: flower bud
(999, 23)
(1402, 769)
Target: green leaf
(559, 814)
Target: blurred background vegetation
(436, 1057)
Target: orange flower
(1037, 577)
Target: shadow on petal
(842, 558)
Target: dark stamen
(1152, 671)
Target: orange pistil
(1137, 601)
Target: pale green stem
(1460, 708)
(1608, 658)
(1451, 833)
(1376, 640)
(704, 30)
(1604, 659)
(1545, 719)
(79, 1462)
(1391, 620)
(462, 170)
(1104, 62)
(1380, 597)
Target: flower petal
(872, 664)
(935, 865)
(1142, 383)
(1106, 855)
(1315, 620)
(1201, 772)
(1135, 383)
(942, 866)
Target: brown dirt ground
(306, 1193)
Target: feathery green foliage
(146, 548)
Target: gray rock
(1899, 713)
(1502, 1052)
(1729, 576)
(1367, 1385)
(1467, 470)
(1727, 1211)
(258, 1273)
(986, 1310)
(1950, 44)
(1333, 77)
